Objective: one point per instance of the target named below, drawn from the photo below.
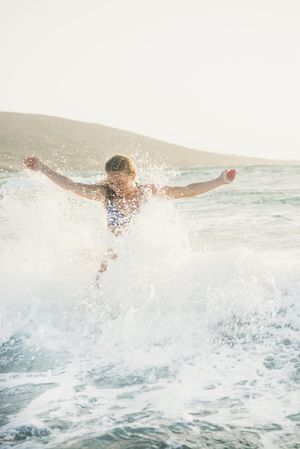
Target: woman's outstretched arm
(90, 191)
(197, 188)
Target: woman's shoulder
(153, 189)
(147, 188)
(104, 190)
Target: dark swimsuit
(115, 217)
(116, 221)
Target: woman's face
(120, 181)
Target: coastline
(72, 145)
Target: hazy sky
(220, 75)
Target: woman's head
(121, 172)
(120, 163)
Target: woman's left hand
(228, 176)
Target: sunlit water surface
(192, 339)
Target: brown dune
(86, 146)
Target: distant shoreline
(75, 145)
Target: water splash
(178, 347)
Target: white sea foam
(184, 332)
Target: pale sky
(217, 75)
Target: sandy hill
(78, 145)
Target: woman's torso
(120, 210)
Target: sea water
(191, 339)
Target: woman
(120, 193)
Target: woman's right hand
(33, 163)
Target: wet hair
(120, 162)
(116, 163)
